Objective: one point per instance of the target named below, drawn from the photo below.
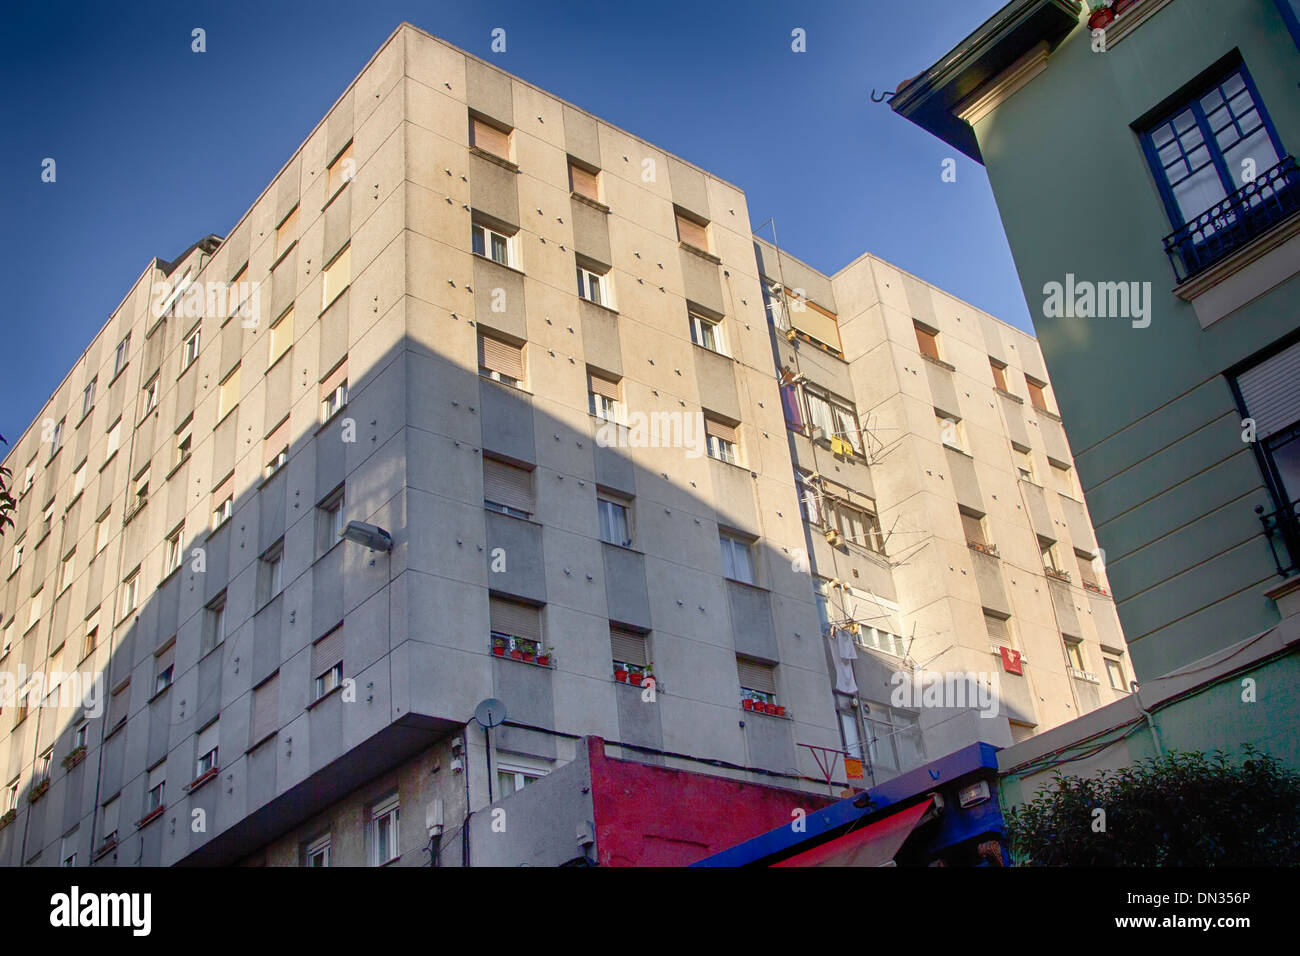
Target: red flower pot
(780, 711)
(634, 679)
(620, 676)
(499, 651)
(517, 655)
(747, 704)
(529, 656)
(1101, 18)
(544, 660)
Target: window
(173, 550)
(492, 244)
(286, 234)
(513, 779)
(490, 138)
(122, 355)
(118, 707)
(858, 526)
(327, 663)
(584, 182)
(150, 393)
(790, 405)
(206, 750)
(103, 531)
(184, 446)
(11, 800)
(602, 397)
(927, 340)
(694, 232)
(999, 629)
(1199, 153)
(228, 394)
(809, 496)
(67, 570)
(270, 573)
(1074, 653)
(615, 520)
(164, 667)
(721, 441)
(1037, 394)
(1047, 547)
(500, 360)
(80, 735)
(88, 398)
(237, 292)
(108, 815)
(628, 649)
(275, 448)
(1087, 571)
(1270, 396)
(329, 521)
(1024, 464)
(893, 738)
(383, 832)
(43, 764)
(214, 624)
(507, 488)
(190, 351)
(1115, 672)
(78, 480)
(514, 626)
(30, 477)
(737, 558)
(951, 432)
(822, 596)
(17, 560)
(223, 502)
(595, 287)
(1062, 479)
(334, 392)
(972, 523)
(836, 420)
(47, 521)
(318, 853)
(91, 639)
(280, 337)
(7, 640)
(68, 850)
(114, 439)
(341, 171)
(338, 276)
(154, 789)
(56, 440)
(706, 332)
(999, 370)
(36, 607)
(130, 593)
(757, 680)
(266, 710)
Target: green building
(1141, 158)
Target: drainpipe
(1155, 734)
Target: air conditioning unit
(791, 335)
(833, 537)
(816, 432)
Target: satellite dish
(489, 713)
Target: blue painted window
(1212, 146)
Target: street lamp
(372, 536)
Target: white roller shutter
(1271, 391)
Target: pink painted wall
(654, 816)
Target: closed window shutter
(266, 705)
(501, 357)
(928, 342)
(818, 323)
(515, 619)
(1271, 391)
(327, 652)
(118, 706)
(333, 380)
(165, 659)
(627, 646)
(507, 485)
(490, 138)
(208, 738)
(603, 386)
(692, 233)
(224, 490)
(999, 633)
(1037, 398)
(583, 182)
(755, 676)
(719, 430)
(974, 530)
(277, 441)
(111, 813)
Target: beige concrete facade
(177, 530)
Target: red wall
(654, 816)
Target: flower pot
(544, 660)
(634, 679)
(747, 704)
(529, 656)
(516, 655)
(499, 651)
(780, 711)
(1101, 18)
(620, 676)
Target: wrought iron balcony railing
(1282, 528)
(1235, 220)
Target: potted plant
(75, 757)
(545, 658)
(530, 652)
(1102, 14)
(7, 818)
(620, 674)
(747, 703)
(38, 791)
(780, 711)
(517, 652)
(499, 646)
(634, 677)
(648, 674)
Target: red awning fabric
(874, 845)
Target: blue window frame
(1290, 10)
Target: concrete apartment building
(582, 490)
(1185, 420)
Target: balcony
(1233, 222)
(1282, 529)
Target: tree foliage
(7, 503)
(1181, 809)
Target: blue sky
(114, 94)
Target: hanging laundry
(845, 654)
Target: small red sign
(853, 768)
(1011, 660)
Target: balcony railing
(1282, 528)
(1232, 222)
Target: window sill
(75, 499)
(335, 414)
(705, 348)
(113, 730)
(507, 656)
(697, 251)
(177, 467)
(325, 306)
(1242, 276)
(961, 451)
(1005, 394)
(199, 781)
(1046, 414)
(185, 368)
(500, 265)
(204, 655)
(335, 195)
(939, 362)
(732, 464)
(990, 549)
(605, 308)
(269, 478)
(513, 388)
(311, 705)
(588, 201)
(150, 817)
(1132, 18)
(105, 849)
(258, 743)
(493, 158)
(118, 373)
(274, 264)
(747, 584)
(276, 361)
(159, 693)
